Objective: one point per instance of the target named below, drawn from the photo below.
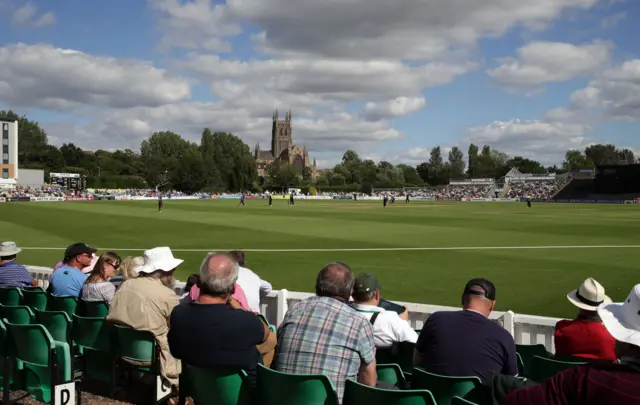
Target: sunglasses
(115, 266)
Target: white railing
(525, 329)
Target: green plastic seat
(7, 365)
(461, 401)
(94, 337)
(64, 304)
(93, 309)
(35, 298)
(272, 328)
(57, 324)
(391, 374)
(140, 347)
(47, 363)
(215, 386)
(444, 388)
(277, 388)
(17, 315)
(527, 352)
(357, 394)
(543, 368)
(10, 296)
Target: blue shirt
(14, 275)
(67, 282)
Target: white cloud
(195, 24)
(410, 29)
(48, 77)
(544, 141)
(546, 62)
(393, 108)
(26, 16)
(338, 80)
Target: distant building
(282, 148)
(9, 162)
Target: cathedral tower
(281, 134)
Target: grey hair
(221, 281)
(335, 280)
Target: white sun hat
(589, 295)
(622, 319)
(160, 258)
(9, 249)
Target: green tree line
(223, 162)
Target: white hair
(219, 281)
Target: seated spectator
(69, 279)
(586, 336)
(224, 334)
(597, 384)
(253, 286)
(191, 292)
(97, 287)
(86, 270)
(128, 270)
(324, 335)
(145, 303)
(13, 274)
(388, 327)
(467, 343)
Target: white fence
(526, 329)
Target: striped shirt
(13, 274)
(103, 291)
(583, 385)
(321, 335)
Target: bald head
(218, 275)
(335, 280)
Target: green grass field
(492, 240)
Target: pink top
(239, 295)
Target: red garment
(584, 338)
(583, 385)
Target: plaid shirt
(321, 335)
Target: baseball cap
(78, 249)
(366, 282)
(486, 285)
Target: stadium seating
(10, 296)
(93, 309)
(444, 388)
(35, 298)
(526, 354)
(357, 394)
(392, 374)
(214, 386)
(277, 388)
(543, 368)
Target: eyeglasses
(115, 266)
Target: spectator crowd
(534, 188)
(341, 330)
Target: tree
(212, 178)
(456, 163)
(161, 154)
(575, 160)
(190, 176)
(234, 162)
(525, 165)
(410, 174)
(423, 171)
(473, 161)
(601, 154)
(282, 175)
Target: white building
(9, 162)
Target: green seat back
(277, 388)
(527, 352)
(5, 359)
(391, 374)
(64, 304)
(93, 309)
(444, 388)
(215, 386)
(543, 368)
(461, 401)
(17, 315)
(10, 296)
(35, 298)
(357, 394)
(34, 346)
(93, 336)
(57, 324)
(135, 345)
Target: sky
(388, 79)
